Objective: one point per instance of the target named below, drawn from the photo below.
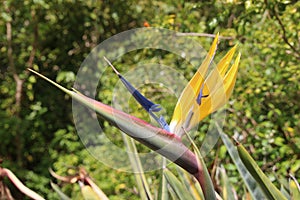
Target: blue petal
(148, 105)
(200, 96)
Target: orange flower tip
(115, 70)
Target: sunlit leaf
(163, 187)
(136, 164)
(249, 181)
(88, 193)
(294, 188)
(227, 193)
(95, 188)
(177, 186)
(263, 181)
(191, 183)
(203, 175)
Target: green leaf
(135, 161)
(203, 175)
(179, 188)
(163, 186)
(284, 192)
(294, 188)
(95, 188)
(88, 193)
(172, 194)
(191, 183)
(227, 193)
(263, 181)
(251, 184)
(59, 192)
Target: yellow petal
(225, 61)
(215, 78)
(220, 91)
(188, 97)
(230, 77)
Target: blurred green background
(36, 126)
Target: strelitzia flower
(199, 98)
(202, 96)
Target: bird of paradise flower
(202, 96)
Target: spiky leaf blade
(137, 167)
(61, 195)
(177, 186)
(294, 188)
(249, 181)
(263, 181)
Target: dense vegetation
(37, 129)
